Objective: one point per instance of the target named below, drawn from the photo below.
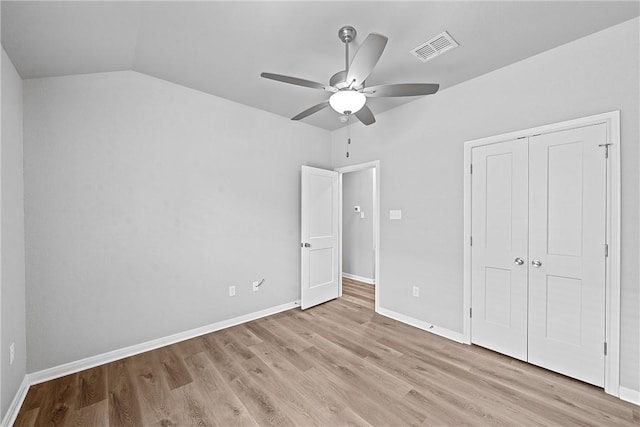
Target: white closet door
(567, 200)
(499, 249)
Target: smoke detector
(435, 47)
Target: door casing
(612, 262)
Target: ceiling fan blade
(402, 89)
(298, 82)
(366, 58)
(310, 111)
(365, 116)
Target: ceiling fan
(349, 93)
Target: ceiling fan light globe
(347, 101)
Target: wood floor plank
(379, 389)
(26, 418)
(194, 407)
(441, 411)
(94, 415)
(361, 294)
(226, 365)
(285, 394)
(295, 342)
(280, 345)
(323, 324)
(245, 336)
(227, 408)
(259, 403)
(327, 409)
(152, 389)
(257, 372)
(342, 388)
(124, 406)
(335, 364)
(176, 373)
(58, 402)
(92, 386)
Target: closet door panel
(499, 232)
(567, 201)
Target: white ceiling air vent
(434, 47)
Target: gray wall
(144, 201)
(357, 233)
(12, 285)
(420, 147)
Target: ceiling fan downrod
(347, 34)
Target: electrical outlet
(232, 291)
(416, 291)
(256, 286)
(12, 353)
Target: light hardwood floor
(332, 365)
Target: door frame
(612, 262)
(375, 165)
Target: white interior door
(567, 196)
(499, 247)
(320, 220)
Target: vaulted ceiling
(222, 47)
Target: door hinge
(470, 240)
(470, 312)
(471, 168)
(606, 149)
(605, 348)
(606, 250)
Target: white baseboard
(421, 324)
(16, 404)
(359, 278)
(630, 395)
(101, 359)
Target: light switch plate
(395, 214)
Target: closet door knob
(536, 263)
(518, 261)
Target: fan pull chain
(348, 137)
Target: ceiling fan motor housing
(339, 81)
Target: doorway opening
(359, 230)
